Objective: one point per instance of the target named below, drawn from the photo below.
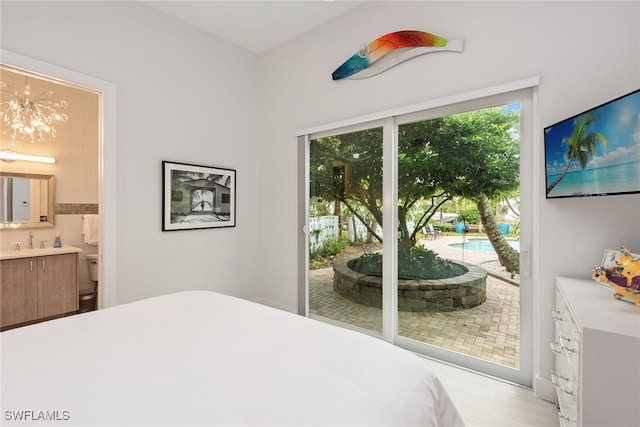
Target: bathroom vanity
(37, 285)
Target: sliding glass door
(444, 193)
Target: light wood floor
(486, 402)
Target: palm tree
(507, 255)
(581, 145)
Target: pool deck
(490, 331)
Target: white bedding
(202, 358)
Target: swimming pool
(482, 245)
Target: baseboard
(544, 389)
(273, 304)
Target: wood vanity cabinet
(38, 288)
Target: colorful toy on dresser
(623, 275)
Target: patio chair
(432, 232)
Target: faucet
(31, 240)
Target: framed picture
(196, 196)
(611, 257)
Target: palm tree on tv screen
(581, 145)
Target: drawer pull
(571, 344)
(567, 419)
(565, 391)
(558, 348)
(563, 384)
(557, 377)
(555, 347)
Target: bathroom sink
(25, 253)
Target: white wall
(183, 96)
(585, 53)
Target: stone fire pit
(461, 292)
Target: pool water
(482, 245)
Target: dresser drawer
(566, 348)
(566, 394)
(566, 341)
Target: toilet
(88, 297)
(94, 273)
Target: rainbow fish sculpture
(623, 277)
(390, 50)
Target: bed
(203, 358)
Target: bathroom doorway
(105, 165)
(73, 144)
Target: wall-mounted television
(596, 152)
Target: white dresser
(597, 356)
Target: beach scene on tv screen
(596, 152)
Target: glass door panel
(458, 217)
(345, 228)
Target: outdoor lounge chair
(432, 232)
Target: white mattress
(201, 358)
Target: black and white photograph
(196, 196)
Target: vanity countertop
(26, 253)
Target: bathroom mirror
(26, 200)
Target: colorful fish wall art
(390, 50)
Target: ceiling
(255, 25)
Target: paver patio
(490, 331)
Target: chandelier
(28, 117)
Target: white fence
(322, 228)
(358, 231)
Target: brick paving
(489, 331)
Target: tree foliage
(472, 155)
(347, 168)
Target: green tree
(471, 155)
(478, 158)
(581, 145)
(347, 169)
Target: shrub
(471, 216)
(328, 247)
(413, 263)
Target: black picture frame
(197, 196)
